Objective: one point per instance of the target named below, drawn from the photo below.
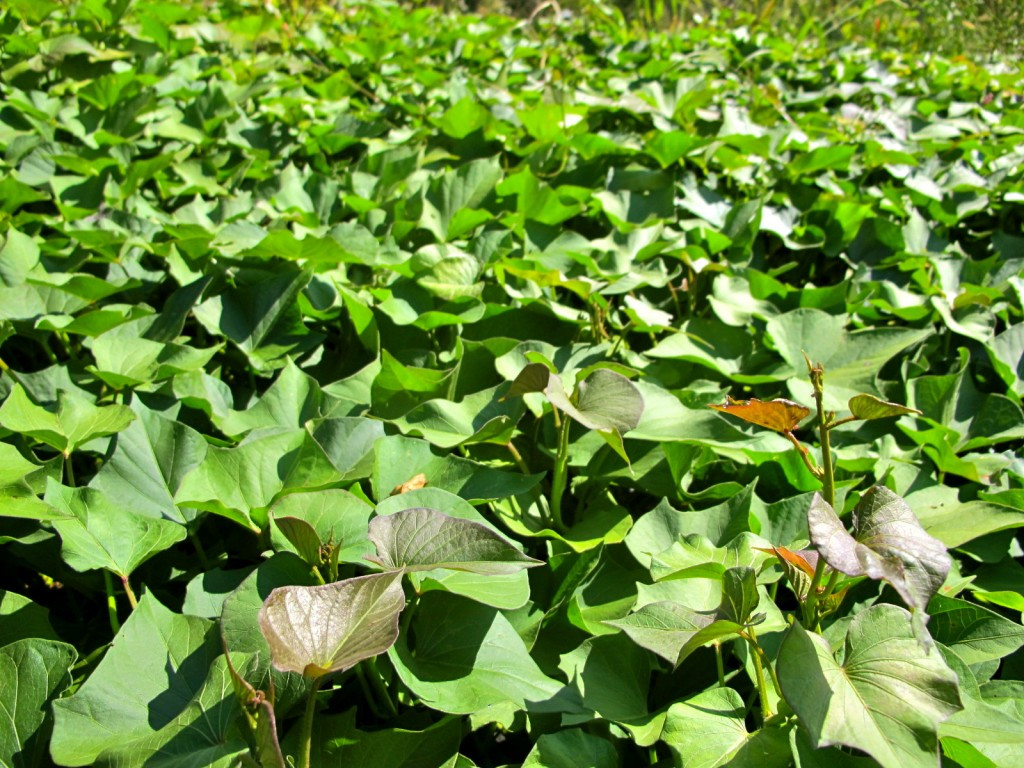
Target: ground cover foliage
(356, 374)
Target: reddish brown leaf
(780, 415)
(798, 559)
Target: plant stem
(379, 688)
(69, 471)
(306, 738)
(108, 583)
(200, 552)
(518, 458)
(558, 479)
(827, 486)
(128, 591)
(719, 665)
(762, 686)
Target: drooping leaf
(422, 539)
(887, 698)
(779, 414)
(33, 672)
(888, 543)
(318, 630)
(871, 407)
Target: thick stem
(129, 592)
(306, 739)
(559, 477)
(828, 489)
(108, 584)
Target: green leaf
(871, 407)
(335, 516)
(241, 482)
(154, 695)
(463, 657)
(20, 618)
(572, 748)
(674, 631)
(709, 730)
(74, 420)
(975, 633)
(337, 741)
(398, 459)
(240, 629)
(422, 539)
(293, 399)
(33, 672)
(479, 417)
(99, 533)
(851, 359)
(888, 543)
(149, 461)
(887, 698)
(261, 316)
(315, 631)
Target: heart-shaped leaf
(605, 400)
(888, 543)
(871, 407)
(74, 421)
(887, 698)
(674, 631)
(318, 630)
(779, 414)
(422, 539)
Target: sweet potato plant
(394, 389)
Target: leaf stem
(804, 454)
(845, 420)
(762, 686)
(559, 477)
(306, 732)
(69, 470)
(719, 665)
(518, 457)
(129, 592)
(108, 584)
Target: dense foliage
(356, 367)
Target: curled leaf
(870, 407)
(888, 543)
(779, 414)
(318, 630)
